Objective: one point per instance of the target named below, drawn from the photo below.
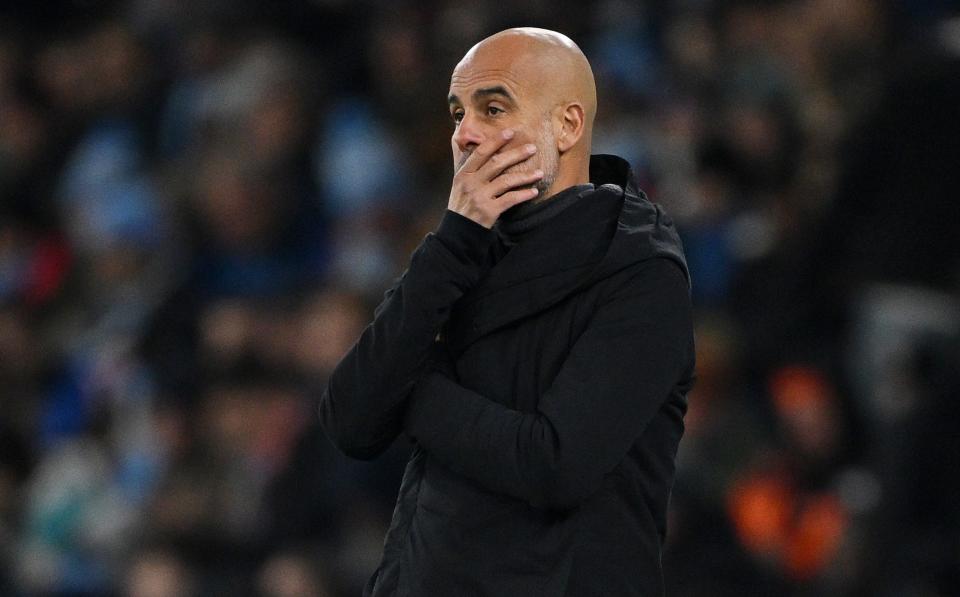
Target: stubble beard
(549, 163)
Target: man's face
(489, 95)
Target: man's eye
(457, 116)
(493, 110)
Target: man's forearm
(362, 407)
(617, 376)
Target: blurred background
(201, 203)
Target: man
(537, 350)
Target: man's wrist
(464, 237)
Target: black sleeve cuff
(465, 238)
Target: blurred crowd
(202, 202)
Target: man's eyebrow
(484, 92)
(498, 90)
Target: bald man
(538, 351)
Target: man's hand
(482, 191)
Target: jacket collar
(608, 228)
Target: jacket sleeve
(618, 374)
(362, 407)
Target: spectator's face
(158, 574)
(493, 91)
(239, 208)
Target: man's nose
(467, 134)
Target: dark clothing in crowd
(542, 370)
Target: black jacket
(545, 447)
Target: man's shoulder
(658, 273)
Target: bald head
(549, 61)
(543, 85)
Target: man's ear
(572, 125)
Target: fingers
(501, 161)
(508, 200)
(482, 188)
(512, 180)
(485, 150)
